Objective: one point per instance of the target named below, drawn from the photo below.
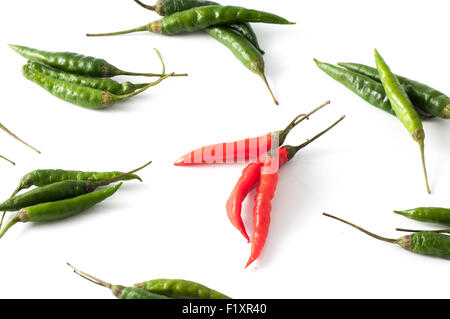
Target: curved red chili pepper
(242, 150)
(248, 180)
(261, 210)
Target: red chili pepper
(261, 211)
(243, 150)
(231, 152)
(266, 190)
(248, 180)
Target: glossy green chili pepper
(246, 31)
(42, 177)
(366, 88)
(81, 95)
(103, 84)
(58, 191)
(424, 242)
(123, 292)
(180, 289)
(74, 62)
(48, 193)
(197, 19)
(422, 96)
(369, 90)
(243, 50)
(429, 243)
(427, 214)
(61, 209)
(163, 288)
(168, 7)
(119, 291)
(447, 230)
(403, 107)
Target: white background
(174, 225)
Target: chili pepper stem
(11, 223)
(418, 231)
(150, 74)
(1, 221)
(153, 74)
(147, 27)
(126, 96)
(16, 191)
(90, 278)
(118, 177)
(297, 120)
(17, 138)
(146, 6)
(263, 77)
(162, 61)
(422, 155)
(447, 111)
(388, 240)
(292, 150)
(8, 160)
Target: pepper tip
(249, 262)
(179, 162)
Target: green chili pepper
(103, 84)
(168, 7)
(366, 88)
(119, 291)
(162, 288)
(422, 96)
(81, 95)
(74, 62)
(180, 289)
(196, 19)
(58, 191)
(427, 214)
(243, 50)
(369, 90)
(424, 242)
(61, 209)
(403, 108)
(42, 177)
(447, 230)
(429, 243)
(247, 32)
(123, 292)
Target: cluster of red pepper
(267, 157)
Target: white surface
(174, 224)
